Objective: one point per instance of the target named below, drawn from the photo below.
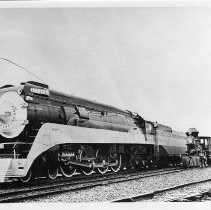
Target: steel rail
(192, 197)
(152, 194)
(18, 195)
(79, 177)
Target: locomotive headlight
(13, 114)
(6, 112)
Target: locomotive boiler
(46, 132)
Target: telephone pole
(156, 147)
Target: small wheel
(151, 164)
(26, 178)
(118, 166)
(134, 164)
(52, 172)
(86, 171)
(67, 170)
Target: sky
(155, 61)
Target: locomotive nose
(5, 114)
(13, 114)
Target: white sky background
(154, 61)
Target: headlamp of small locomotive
(13, 114)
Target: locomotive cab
(205, 142)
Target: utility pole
(156, 147)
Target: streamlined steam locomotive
(44, 132)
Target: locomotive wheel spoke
(26, 178)
(52, 172)
(86, 171)
(102, 170)
(118, 166)
(67, 170)
(101, 160)
(87, 154)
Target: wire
(5, 59)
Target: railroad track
(151, 195)
(201, 196)
(58, 187)
(79, 177)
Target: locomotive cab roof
(191, 131)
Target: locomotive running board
(90, 165)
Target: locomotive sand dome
(46, 132)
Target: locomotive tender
(44, 132)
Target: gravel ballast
(130, 188)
